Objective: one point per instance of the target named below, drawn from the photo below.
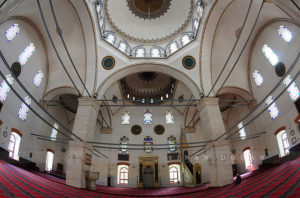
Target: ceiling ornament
(141, 8)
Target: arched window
(26, 54)
(257, 78)
(185, 39)
(247, 158)
(173, 47)
(38, 78)
(101, 22)
(172, 143)
(14, 145)
(196, 24)
(169, 117)
(173, 173)
(283, 142)
(140, 52)
(99, 6)
(110, 38)
(126, 118)
(155, 52)
(292, 90)
(24, 109)
(148, 144)
(148, 117)
(4, 88)
(242, 130)
(122, 47)
(270, 55)
(124, 144)
(49, 160)
(273, 110)
(12, 32)
(285, 33)
(199, 8)
(54, 132)
(123, 174)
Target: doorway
(148, 177)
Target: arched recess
(151, 67)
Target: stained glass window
(124, 144)
(4, 88)
(185, 39)
(293, 89)
(148, 117)
(169, 117)
(257, 78)
(24, 109)
(155, 52)
(270, 55)
(273, 110)
(242, 130)
(173, 47)
(54, 132)
(110, 38)
(126, 118)
(12, 32)
(26, 54)
(148, 144)
(285, 33)
(122, 47)
(140, 52)
(38, 78)
(172, 143)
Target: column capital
(87, 101)
(208, 101)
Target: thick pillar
(219, 156)
(80, 153)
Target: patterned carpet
(281, 181)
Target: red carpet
(281, 181)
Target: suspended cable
(116, 144)
(244, 47)
(100, 153)
(234, 46)
(65, 46)
(52, 43)
(35, 101)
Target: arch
(197, 174)
(236, 90)
(153, 67)
(59, 91)
(246, 148)
(279, 129)
(50, 150)
(16, 131)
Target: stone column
(219, 156)
(79, 152)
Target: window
(123, 174)
(199, 8)
(292, 90)
(12, 32)
(14, 145)
(24, 109)
(196, 24)
(270, 55)
(101, 22)
(172, 143)
(122, 47)
(169, 117)
(185, 39)
(283, 143)
(148, 144)
(38, 78)
(248, 158)
(147, 116)
(285, 33)
(242, 130)
(124, 144)
(49, 160)
(4, 88)
(173, 47)
(26, 54)
(173, 173)
(273, 110)
(110, 38)
(155, 52)
(99, 7)
(126, 118)
(54, 132)
(257, 78)
(140, 52)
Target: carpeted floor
(281, 181)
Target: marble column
(219, 155)
(79, 152)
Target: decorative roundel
(136, 129)
(292, 132)
(16, 69)
(108, 62)
(4, 133)
(159, 129)
(280, 69)
(188, 62)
